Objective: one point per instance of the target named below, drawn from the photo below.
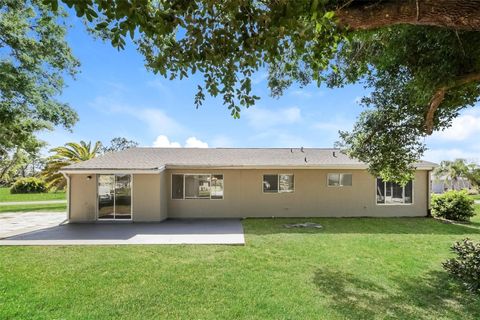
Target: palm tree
(452, 172)
(473, 175)
(70, 153)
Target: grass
(352, 269)
(475, 196)
(34, 207)
(5, 196)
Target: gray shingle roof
(156, 158)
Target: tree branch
(454, 14)
(439, 96)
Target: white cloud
(262, 118)
(156, 119)
(301, 93)
(305, 93)
(193, 142)
(162, 141)
(463, 127)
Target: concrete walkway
(17, 203)
(13, 223)
(206, 231)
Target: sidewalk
(17, 203)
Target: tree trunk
(454, 14)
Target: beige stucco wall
(164, 196)
(244, 197)
(83, 197)
(147, 204)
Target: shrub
(29, 185)
(466, 265)
(453, 205)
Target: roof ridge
(240, 148)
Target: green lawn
(476, 196)
(5, 196)
(34, 207)
(353, 269)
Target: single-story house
(152, 184)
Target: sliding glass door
(114, 197)
(123, 197)
(106, 197)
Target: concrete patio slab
(13, 223)
(207, 231)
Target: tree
(20, 164)
(34, 57)
(452, 172)
(119, 144)
(420, 59)
(70, 153)
(473, 175)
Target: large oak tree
(34, 58)
(420, 59)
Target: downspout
(429, 192)
(68, 194)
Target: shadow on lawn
(430, 296)
(361, 226)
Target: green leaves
(227, 41)
(34, 60)
(73, 152)
(402, 71)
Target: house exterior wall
(164, 196)
(147, 204)
(146, 198)
(83, 197)
(244, 196)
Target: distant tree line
(455, 173)
(20, 163)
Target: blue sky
(115, 95)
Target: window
(216, 188)
(277, 183)
(339, 179)
(197, 186)
(177, 186)
(393, 193)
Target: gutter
(222, 166)
(112, 171)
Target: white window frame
(339, 179)
(403, 195)
(196, 174)
(278, 182)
